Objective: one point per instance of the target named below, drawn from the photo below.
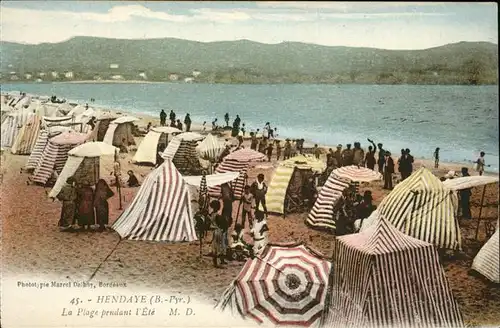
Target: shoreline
(198, 127)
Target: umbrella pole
(105, 259)
(480, 211)
(329, 289)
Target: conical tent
(384, 278)
(422, 207)
(283, 181)
(41, 143)
(147, 150)
(322, 213)
(27, 136)
(119, 132)
(160, 210)
(55, 154)
(285, 286)
(487, 260)
(182, 152)
(210, 148)
(237, 161)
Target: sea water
(461, 120)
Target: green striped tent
(287, 173)
(422, 207)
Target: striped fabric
(237, 161)
(486, 261)
(182, 151)
(422, 207)
(275, 197)
(160, 210)
(210, 148)
(357, 174)
(469, 182)
(276, 194)
(55, 154)
(27, 136)
(37, 150)
(11, 126)
(321, 215)
(285, 286)
(384, 278)
(171, 150)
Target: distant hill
(252, 62)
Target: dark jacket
(389, 166)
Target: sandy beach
(31, 242)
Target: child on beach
(436, 158)
(248, 204)
(269, 152)
(480, 163)
(259, 232)
(217, 226)
(259, 189)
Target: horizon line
(239, 40)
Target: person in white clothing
(480, 163)
(259, 232)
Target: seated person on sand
(237, 236)
(132, 179)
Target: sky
(387, 25)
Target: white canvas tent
(147, 150)
(84, 158)
(119, 130)
(487, 260)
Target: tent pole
(239, 204)
(105, 259)
(480, 211)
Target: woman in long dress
(85, 201)
(102, 194)
(67, 196)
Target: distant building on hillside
(117, 78)
(68, 75)
(54, 74)
(28, 76)
(173, 77)
(14, 78)
(189, 79)
(97, 78)
(41, 74)
(196, 73)
(13, 73)
(39, 80)
(114, 66)
(143, 75)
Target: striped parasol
(357, 173)
(285, 286)
(245, 155)
(210, 148)
(203, 191)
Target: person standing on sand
(243, 129)
(465, 197)
(259, 190)
(358, 155)
(101, 196)
(338, 155)
(388, 169)
(409, 162)
(278, 150)
(269, 150)
(288, 149)
(347, 156)
(263, 146)
(402, 165)
(179, 125)
(370, 158)
(187, 121)
(253, 141)
(381, 158)
(237, 122)
(248, 205)
(316, 151)
(67, 196)
(163, 118)
(436, 158)
(480, 163)
(172, 116)
(85, 206)
(227, 196)
(226, 119)
(217, 226)
(259, 232)
(214, 125)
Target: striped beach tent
(41, 143)
(422, 207)
(384, 278)
(181, 150)
(119, 132)
(55, 154)
(147, 150)
(11, 125)
(322, 213)
(285, 286)
(210, 148)
(27, 136)
(288, 179)
(161, 209)
(487, 260)
(237, 161)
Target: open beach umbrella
(93, 149)
(285, 286)
(210, 148)
(357, 173)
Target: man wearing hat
(388, 170)
(347, 156)
(338, 155)
(465, 197)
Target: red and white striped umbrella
(285, 286)
(246, 155)
(357, 173)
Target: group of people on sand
(175, 123)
